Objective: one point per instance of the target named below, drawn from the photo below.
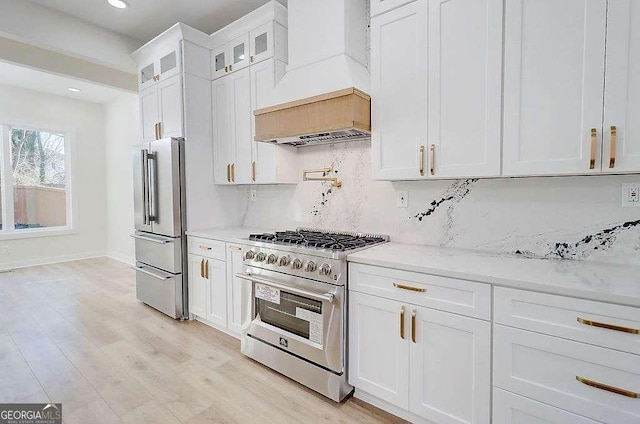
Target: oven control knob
(272, 259)
(296, 264)
(284, 261)
(310, 267)
(325, 269)
(260, 257)
(250, 254)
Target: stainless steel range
(294, 305)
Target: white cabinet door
(398, 93)
(465, 87)
(169, 62)
(553, 86)
(381, 6)
(234, 288)
(222, 143)
(240, 115)
(239, 53)
(263, 80)
(217, 295)
(198, 286)
(509, 408)
(171, 106)
(262, 43)
(379, 348)
(450, 377)
(622, 88)
(146, 76)
(149, 113)
(219, 61)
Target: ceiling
(144, 19)
(19, 76)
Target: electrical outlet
(402, 198)
(253, 195)
(631, 195)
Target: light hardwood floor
(75, 333)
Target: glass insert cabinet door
(290, 312)
(146, 75)
(239, 53)
(219, 63)
(261, 40)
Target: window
(34, 181)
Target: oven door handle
(326, 297)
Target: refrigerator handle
(153, 188)
(145, 187)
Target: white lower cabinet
(214, 290)
(433, 364)
(509, 408)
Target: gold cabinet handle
(253, 171)
(402, 323)
(226, 68)
(405, 287)
(202, 268)
(230, 68)
(432, 159)
(594, 142)
(614, 141)
(233, 172)
(159, 130)
(413, 326)
(228, 172)
(608, 388)
(422, 161)
(251, 59)
(206, 269)
(155, 127)
(608, 326)
(235, 248)
(205, 247)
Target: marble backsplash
(554, 217)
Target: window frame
(8, 232)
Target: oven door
(297, 315)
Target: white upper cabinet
(219, 62)
(398, 93)
(464, 87)
(381, 6)
(149, 113)
(621, 130)
(239, 53)
(170, 106)
(553, 86)
(240, 118)
(222, 142)
(165, 62)
(262, 42)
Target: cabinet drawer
(601, 324)
(443, 293)
(549, 370)
(509, 408)
(213, 249)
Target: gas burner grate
(320, 239)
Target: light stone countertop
(584, 279)
(229, 235)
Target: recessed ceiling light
(73, 89)
(120, 4)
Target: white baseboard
(215, 326)
(121, 258)
(51, 260)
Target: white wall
(86, 121)
(43, 27)
(569, 217)
(122, 120)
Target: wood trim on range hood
(313, 119)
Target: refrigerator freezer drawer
(160, 290)
(159, 251)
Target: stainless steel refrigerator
(160, 223)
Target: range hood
(322, 97)
(341, 115)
